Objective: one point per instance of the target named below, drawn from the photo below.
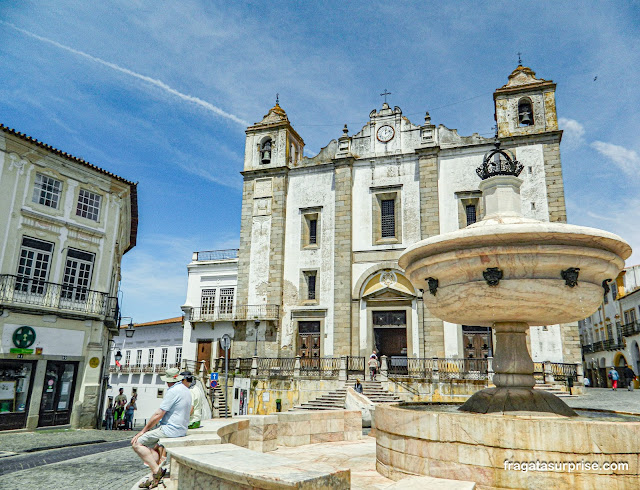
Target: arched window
(265, 151)
(525, 112)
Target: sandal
(157, 478)
(146, 484)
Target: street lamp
(129, 331)
(118, 356)
(255, 350)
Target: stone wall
(555, 183)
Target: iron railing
(356, 365)
(327, 367)
(604, 345)
(463, 368)
(276, 366)
(562, 371)
(234, 313)
(420, 367)
(243, 366)
(64, 298)
(629, 329)
(231, 253)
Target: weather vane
(277, 99)
(385, 93)
(519, 59)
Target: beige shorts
(151, 438)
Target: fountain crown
(498, 162)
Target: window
(127, 358)
(226, 300)
(163, 360)
(160, 393)
(525, 112)
(178, 355)
(470, 210)
(139, 358)
(77, 275)
(46, 191)
(310, 282)
(265, 152)
(208, 301)
(33, 267)
(629, 316)
(388, 218)
(150, 361)
(614, 290)
(88, 205)
(310, 236)
(313, 231)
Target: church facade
(321, 237)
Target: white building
(320, 237)
(210, 308)
(154, 347)
(64, 227)
(611, 336)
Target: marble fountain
(510, 272)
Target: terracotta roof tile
(156, 322)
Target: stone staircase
(334, 400)
(559, 390)
(219, 396)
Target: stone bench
(229, 466)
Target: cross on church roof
(519, 59)
(277, 99)
(385, 93)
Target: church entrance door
(390, 338)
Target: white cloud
(627, 160)
(573, 135)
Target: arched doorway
(388, 318)
(620, 363)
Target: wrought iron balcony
(234, 313)
(67, 300)
(604, 345)
(632, 328)
(231, 253)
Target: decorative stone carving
(262, 188)
(492, 275)
(262, 207)
(388, 278)
(570, 276)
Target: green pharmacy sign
(24, 337)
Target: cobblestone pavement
(68, 459)
(116, 469)
(607, 399)
(28, 441)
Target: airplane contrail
(153, 81)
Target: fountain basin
(424, 439)
(531, 256)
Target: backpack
(610, 377)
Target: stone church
(321, 237)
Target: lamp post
(256, 322)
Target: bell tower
(272, 142)
(525, 105)
(272, 148)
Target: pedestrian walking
(358, 386)
(629, 377)
(586, 382)
(614, 376)
(108, 416)
(373, 366)
(173, 416)
(129, 412)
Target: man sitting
(197, 400)
(173, 416)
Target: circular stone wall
(411, 439)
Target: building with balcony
(611, 336)
(154, 347)
(320, 237)
(64, 227)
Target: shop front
(16, 385)
(57, 393)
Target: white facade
(210, 306)
(154, 347)
(611, 336)
(321, 236)
(64, 227)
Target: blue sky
(160, 92)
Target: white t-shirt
(177, 405)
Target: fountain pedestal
(513, 378)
